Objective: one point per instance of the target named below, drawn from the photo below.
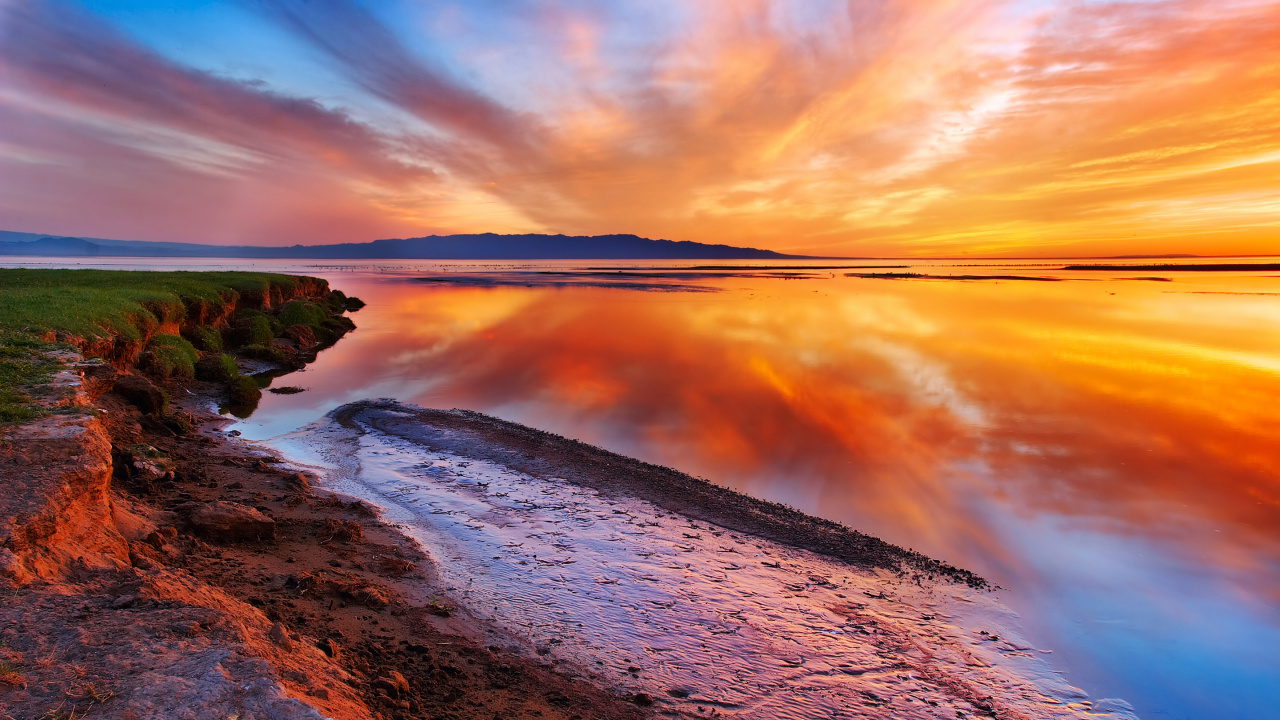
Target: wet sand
(656, 584)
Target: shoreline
(154, 565)
(334, 614)
(539, 452)
(898, 641)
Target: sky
(1014, 128)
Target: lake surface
(1103, 447)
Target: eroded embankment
(665, 587)
(152, 567)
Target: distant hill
(486, 246)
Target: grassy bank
(167, 324)
(126, 303)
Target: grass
(170, 356)
(217, 368)
(204, 339)
(244, 390)
(96, 303)
(127, 306)
(24, 367)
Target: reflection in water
(1105, 449)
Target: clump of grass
(204, 339)
(250, 327)
(170, 356)
(217, 368)
(302, 312)
(269, 353)
(244, 391)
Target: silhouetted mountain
(486, 246)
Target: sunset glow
(890, 127)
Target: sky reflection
(1102, 448)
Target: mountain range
(484, 246)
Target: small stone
(298, 481)
(330, 647)
(186, 628)
(642, 699)
(140, 561)
(141, 393)
(155, 540)
(222, 520)
(124, 601)
(280, 637)
(679, 692)
(401, 684)
(393, 683)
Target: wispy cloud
(927, 127)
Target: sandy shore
(716, 602)
(446, 564)
(137, 611)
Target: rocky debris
(280, 637)
(331, 648)
(394, 566)
(353, 589)
(141, 393)
(229, 521)
(298, 482)
(343, 530)
(301, 335)
(394, 683)
(142, 465)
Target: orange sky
(891, 127)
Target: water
(702, 618)
(1102, 447)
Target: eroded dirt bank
(165, 572)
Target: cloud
(884, 127)
(112, 124)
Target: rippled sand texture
(705, 620)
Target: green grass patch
(169, 356)
(204, 339)
(217, 368)
(251, 327)
(244, 390)
(94, 303)
(24, 368)
(268, 353)
(301, 312)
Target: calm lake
(1105, 447)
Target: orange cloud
(993, 127)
